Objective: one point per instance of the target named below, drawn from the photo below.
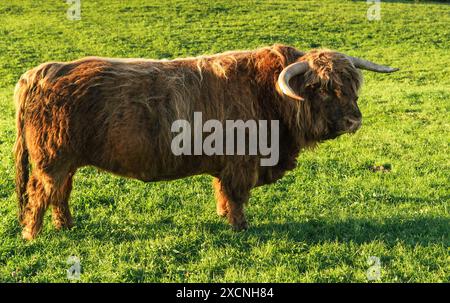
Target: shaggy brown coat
(117, 114)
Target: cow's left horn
(290, 71)
(364, 64)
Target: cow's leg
(221, 199)
(236, 216)
(61, 211)
(38, 201)
(43, 189)
(236, 189)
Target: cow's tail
(20, 148)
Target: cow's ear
(288, 53)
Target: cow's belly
(136, 143)
(148, 163)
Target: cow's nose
(353, 124)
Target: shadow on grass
(423, 231)
(411, 232)
(410, 1)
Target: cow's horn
(290, 71)
(364, 64)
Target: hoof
(27, 235)
(240, 226)
(59, 225)
(222, 212)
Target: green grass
(321, 222)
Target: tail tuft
(20, 147)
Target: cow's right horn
(286, 75)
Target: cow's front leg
(236, 216)
(236, 192)
(221, 198)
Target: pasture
(382, 192)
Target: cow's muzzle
(352, 125)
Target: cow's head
(326, 83)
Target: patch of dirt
(385, 168)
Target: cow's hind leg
(61, 211)
(43, 190)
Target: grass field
(321, 222)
